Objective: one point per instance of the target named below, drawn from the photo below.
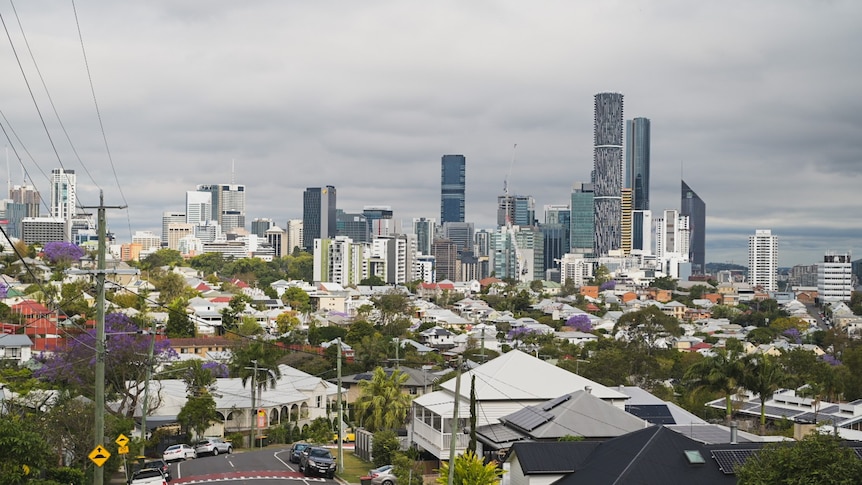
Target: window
(319, 401)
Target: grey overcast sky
(756, 104)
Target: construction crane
(520, 266)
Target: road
(250, 467)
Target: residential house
(15, 348)
(504, 385)
(437, 337)
(419, 382)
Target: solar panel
(555, 402)
(858, 452)
(529, 418)
(782, 412)
(653, 413)
(728, 460)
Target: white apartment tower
(763, 260)
(835, 278)
(63, 198)
(198, 207)
(294, 235)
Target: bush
(384, 444)
(65, 475)
(237, 440)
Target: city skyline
(368, 97)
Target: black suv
(317, 460)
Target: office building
(227, 204)
(352, 225)
(607, 171)
(146, 240)
(556, 231)
(626, 221)
(260, 225)
(460, 233)
(695, 208)
(63, 194)
(835, 278)
(198, 207)
(763, 260)
(318, 215)
(14, 214)
(380, 221)
(516, 210)
(277, 238)
(637, 162)
(448, 266)
(41, 230)
(583, 220)
(177, 231)
(169, 218)
(424, 230)
(452, 188)
(642, 232)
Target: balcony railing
(437, 441)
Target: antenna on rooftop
(232, 170)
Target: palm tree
(763, 376)
(382, 404)
(721, 372)
(471, 469)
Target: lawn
(354, 467)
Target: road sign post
(99, 455)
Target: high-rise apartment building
(452, 188)
(352, 225)
(607, 171)
(29, 197)
(763, 260)
(626, 221)
(460, 233)
(642, 232)
(318, 215)
(380, 221)
(583, 219)
(147, 240)
(556, 233)
(63, 194)
(637, 161)
(695, 208)
(424, 229)
(835, 278)
(294, 235)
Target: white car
(179, 452)
(148, 476)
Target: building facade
(763, 260)
(424, 230)
(607, 171)
(835, 278)
(63, 194)
(583, 217)
(637, 161)
(694, 207)
(318, 215)
(453, 188)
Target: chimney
(588, 389)
(733, 431)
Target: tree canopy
(817, 459)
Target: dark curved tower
(607, 171)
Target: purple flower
(580, 322)
(793, 334)
(217, 369)
(57, 251)
(518, 333)
(829, 359)
(608, 285)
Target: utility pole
(99, 394)
(340, 413)
(454, 427)
(253, 404)
(145, 407)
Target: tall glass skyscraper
(452, 188)
(695, 208)
(607, 171)
(318, 215)
(637, 162)
(583, 219)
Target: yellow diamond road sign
(123, 450)
(121, 440)
(99, 455)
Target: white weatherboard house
(504, 385)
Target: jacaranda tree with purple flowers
(73, 366)
(62, 252)
(580, 322)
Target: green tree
(162, 257)
(721, 372)
(384, 446)
(20, 446)
(648, 325)
(249, 327)
(179, 324)
(601, 275)
(763, 376)
(470, 469)
(171, 286)
(393, 309)
(297, 299)
(198, 413)
(382, 405)
(208, 263)
(372, 280)
(242, 364)
(817, 459)
(320, 431)
(664, 283)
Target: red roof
(203, 287)
(30, 307)
(490, 281)
(701, 345)
(240, 283)
(221, 299)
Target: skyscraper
(607, 176)
(424, 230)
(227, 204)
(452, 188)
(318, 215)
(695, 208)
(198, 207)
(259, 226)
(637, 162)
(763, 260)
(583, 219)
(835, 278)
(27, 195)
(63, 198)
(518, 210)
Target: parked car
(349, 437)
(160, 464)
(212, 446)
(383, 476)
(148, 476)
(319, 461)
(179, 452)
(296, 450)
